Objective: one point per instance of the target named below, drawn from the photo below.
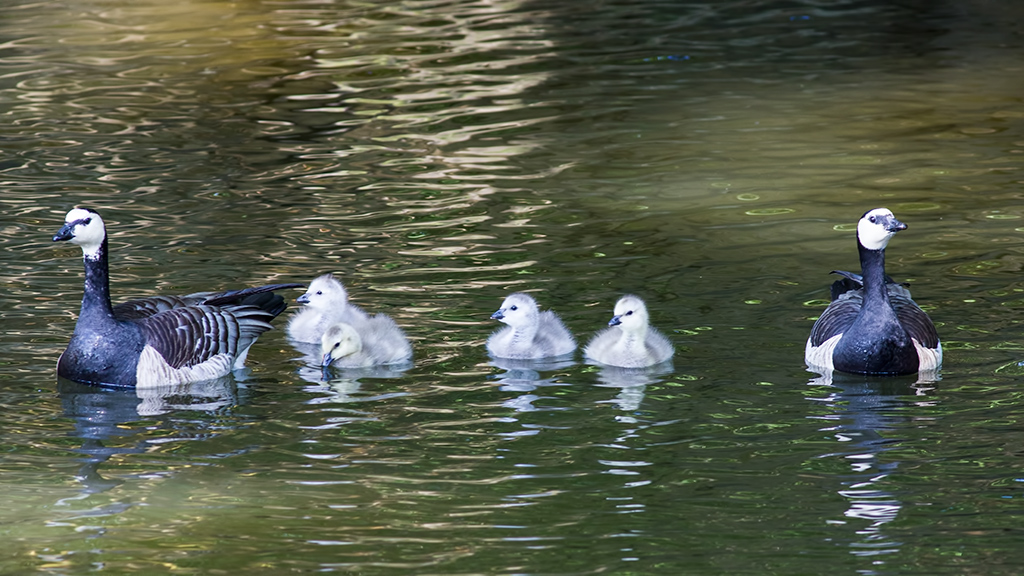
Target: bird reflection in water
(102, 416)
(863, 413)
(632, 384)
(341, 385)
(524, 377)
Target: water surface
(711, 157)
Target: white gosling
(326, 303)
(629, 341)
(530, 334)
(158, 341)
(375, 342)
(872, 325)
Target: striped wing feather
(838, 317)
(146, 307)
(259, 296)
(191, 335)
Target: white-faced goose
(872, 325)
(157, 341)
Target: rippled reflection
(865, 417)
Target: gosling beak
(498, 315)
(304, 299)
(615, 321)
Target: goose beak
(498, 315)
(304, 299)
(66, 232)
(894, 225)
(615, 321)
(326, 361)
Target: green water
(710, 157)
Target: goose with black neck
(162, 340)
(872, 325)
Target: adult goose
(326, 303)
(872, 325)
(629, 341)
(530, 334)
(164, 340)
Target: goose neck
(872, 264)
(96, 296)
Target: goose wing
(191, 335)
(838, 317)
(914, 320)
(259, 296)
(146, 307)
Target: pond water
(436, 155)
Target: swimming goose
(376, 341)
(530, 334)
(629, 341)
(165, 340)
(326, 303)
(872, 325)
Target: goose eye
(513, 307)
(872, 219)
(87, 221)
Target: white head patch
(88, 231)
(876, 227)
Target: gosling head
(339, 341)
(630, 313)
(85, 228)
(518, 309)
(324, 293)
(876, 227)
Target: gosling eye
(87, 221)
(513, 308)
(630, 313)
(319, 292)
(872, 219)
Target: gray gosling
(374, 342)
(629, 341)
(326, 303)
(530, 334)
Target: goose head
(517, 310)
(85, 228)
(324, 293)
(339, 341)
(876, 227)
(630, 313)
